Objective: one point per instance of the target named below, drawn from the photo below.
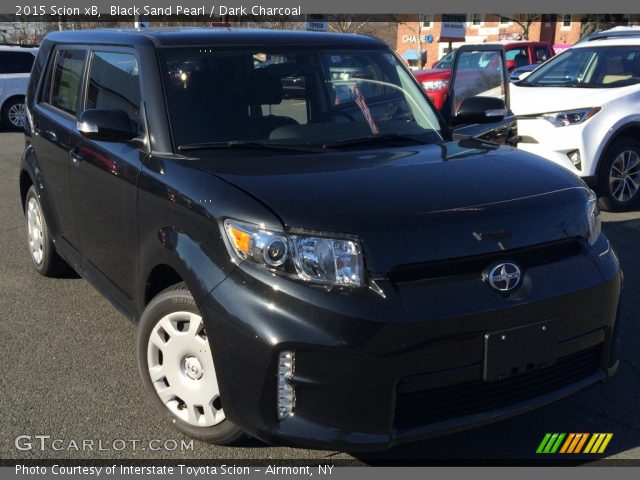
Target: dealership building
(435, 35)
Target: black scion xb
(336, 266)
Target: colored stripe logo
(574, 443)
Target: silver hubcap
(16, 115)
(35, 231)
(182, 371)
(624, 177)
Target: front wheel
(619, 182)
(177, 367)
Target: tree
(593, 23)
(524, 20)
(344, 23)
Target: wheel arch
(627, 130)
(25, 184)
(173, 257)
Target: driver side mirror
(511, 64)
(480, 110)
(107, 125)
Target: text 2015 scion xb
(325, 269)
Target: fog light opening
(575, 158)
(286, 393)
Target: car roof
(610, 42)
(616, 32)
(211, 36)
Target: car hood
(417, 204)
(532, 100)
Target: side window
(114, 83)
(541, 54)
(16, 62)
(66, 79)
(518, 55)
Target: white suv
(581, 110)
(15, 68)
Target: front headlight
(312, 258)
(573, 117)
(433, 85)
(593, 218)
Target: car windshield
(310, 97)
(589, 67)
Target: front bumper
(541, 138)
(370, 364)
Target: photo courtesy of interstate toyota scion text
(312, 254)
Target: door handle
(76, 157)
(48, 134)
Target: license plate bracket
(514, 351)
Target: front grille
(424, 407)
(474, 265)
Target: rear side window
(541, 54)
(66, 79)
(114, 83)
(16, 62)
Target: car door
(480, 70)
(54, 117)
(104, 176)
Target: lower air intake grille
(415, 409)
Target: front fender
(181, 209)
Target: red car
(435, 81)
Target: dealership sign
(453, 28)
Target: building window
(505, 20)
(566, 21)
(475, 20)
(426, 21)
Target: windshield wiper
(246, 145)
(382, 139)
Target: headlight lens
(433, 85)
(593, 218)
(319, 259)
(573, 117)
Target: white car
(15, 68)
(581, 110)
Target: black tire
(611, 198)
(176, 299)
(8, 109)
(50, 264)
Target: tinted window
(295, 95)
(114, 83)
(16, 62)
(66, 79)
(480, 73)
(590, 67)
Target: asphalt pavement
(68, 371)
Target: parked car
(320, 273)
(435, 81)
(15, 66)
(583, 115)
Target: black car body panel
(373, 363)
